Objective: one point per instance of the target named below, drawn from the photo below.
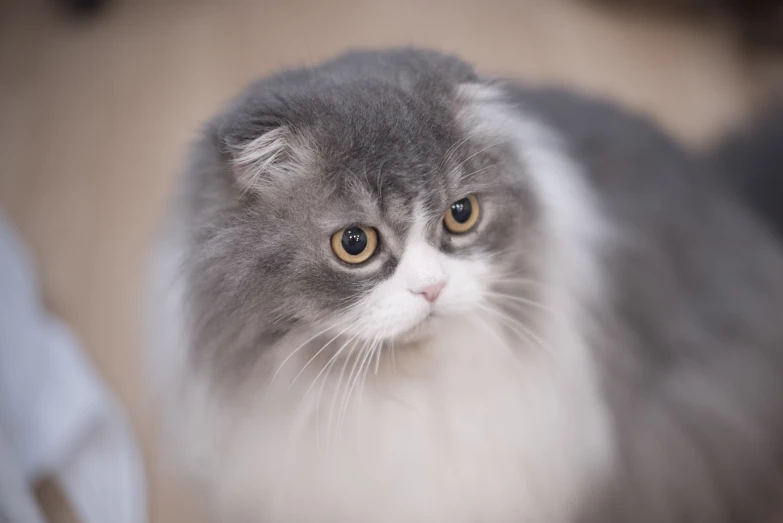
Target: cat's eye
(462, 215)
(355, 244)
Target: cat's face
(365, 203)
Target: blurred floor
(95, 114)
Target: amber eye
(355, 244)
(462, 215)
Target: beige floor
(94, 116)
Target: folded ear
(262, 158)
(271, 159)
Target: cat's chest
(465, 432)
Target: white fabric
(56, 416)
(17, 503)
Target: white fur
(457, 426)
(394, 308)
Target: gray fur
(694, 360)
(690, 342)
(751, 161)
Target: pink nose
(431, 292)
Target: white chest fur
(456, 431)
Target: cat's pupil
(354, 240)
(462, 210)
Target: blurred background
(98, 100)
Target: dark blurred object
(84, 7)
(751, 160)
(760, 22)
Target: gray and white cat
(393, 290)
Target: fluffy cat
(392, 290)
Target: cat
(393, 290)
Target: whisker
(330, 365)
(519, 281)
(316, 355)
(453, 149)
(466, 176)
(349, 384)
(378, 359)
(500, 314)
(336, 393)
(497, 314)
(328, 368)
(519, 328)
(302, 345)
(300, 411)
(365, 358)
(333, 359)
(378, 180)
(375, 347)
(517, 273)
(497, 336)
(525, 301)
(476, 154)
(324, 368)
(530, 333)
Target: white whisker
(302, 345)
(374, 347)
(316, 355)
(519, 328)
(454, 148)
(497, 336)
(378, 359)
(476, 154)
(328, 367)
(330, 364)
(365, 358)
(336, 393)
(519, 281)
(470, 175)
(525, 301)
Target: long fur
(599, 352)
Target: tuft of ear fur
(271, 159)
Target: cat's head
(369, 197)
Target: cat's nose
(431, 292)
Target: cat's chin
(418, 332)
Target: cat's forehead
(382, 148)
(360, 141)
(393, 197)
(386, 159)
(370, 125)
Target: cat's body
(603, 344)
(750, 160)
